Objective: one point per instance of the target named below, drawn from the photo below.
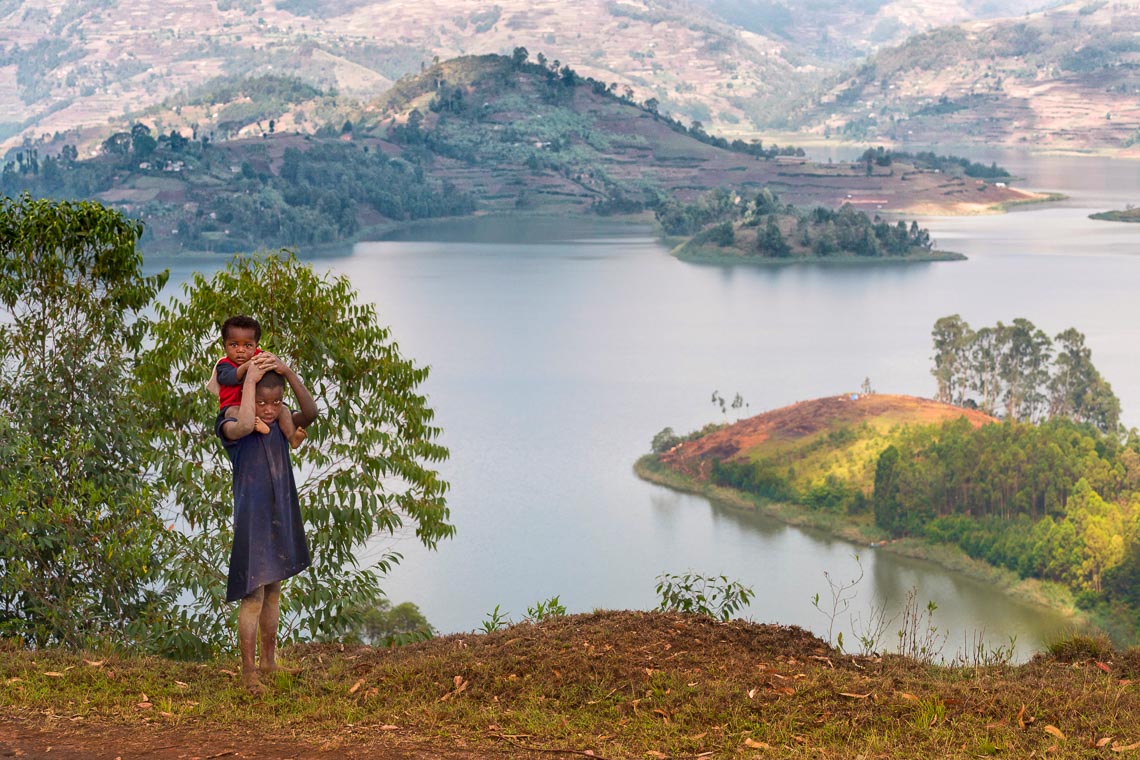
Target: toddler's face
(240, 344)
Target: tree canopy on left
(78, 524)
(115, 497)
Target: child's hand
(276, 365)
(257, 369)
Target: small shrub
(715, 596)
(919, 638)
(1079, 647)
(495, 620)
(550, 608)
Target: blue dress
(269, 535)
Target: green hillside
(821, 452)
(1056, 502)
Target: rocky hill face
(1068, 77)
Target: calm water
(559, 349)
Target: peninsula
(1018, 504)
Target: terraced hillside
(474, 134)
(71, 66)
(1066, 78)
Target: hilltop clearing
(836, 435)
(607, 684)
(1062, 79)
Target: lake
(559, 348)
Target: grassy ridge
(607, 684)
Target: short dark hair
(242, 323)
(270, 380)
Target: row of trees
(1058, 501)
(1017, 372)
(115, 500)
(881, 156)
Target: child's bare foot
(273, 667)
(251, 680)
(298, 436)
(260, 426)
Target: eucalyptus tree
(952, 338)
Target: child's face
(240, 344)
(268, 403)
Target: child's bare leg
(249, 615)
(292, 433)
(267, 622)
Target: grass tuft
(1080, 647)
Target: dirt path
(58, 738)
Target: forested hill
(1065, 77)
(1057, 501)
(486, 133)
(525, 130)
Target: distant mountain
(846, 30)
(1068, 77)
(67, 67)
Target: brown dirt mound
(805, 418)
(582, 647)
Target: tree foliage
(784, 231)
(115, 494)
(1011, 371)
(79, 549)
(1059, 501)
(365, 469)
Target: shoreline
(381, 232)
(706, 255)
(1031, 591)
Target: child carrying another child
(241, 337)
(269, 537)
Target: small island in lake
(1128, 214)
(726, 228)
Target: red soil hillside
(786, 432)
